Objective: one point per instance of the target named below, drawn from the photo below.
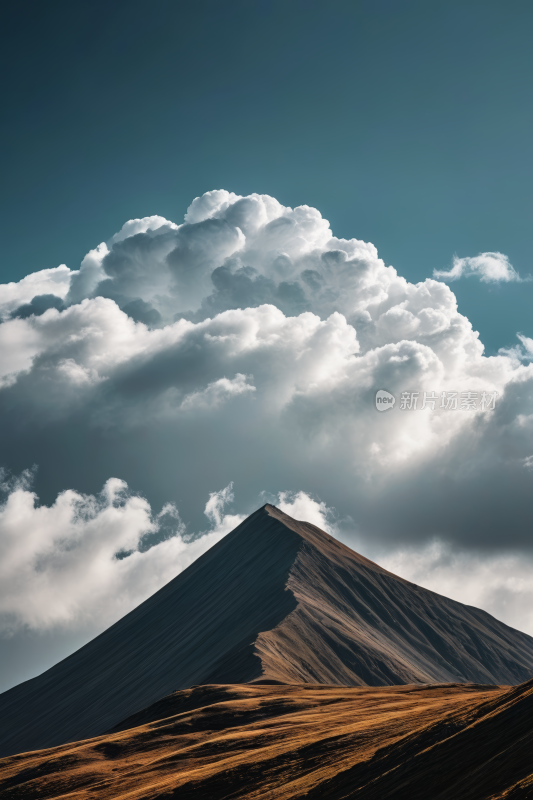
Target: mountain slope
(275, 599)
(446, 742)
(356, 623)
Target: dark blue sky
(406, 122)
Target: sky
(225, 227)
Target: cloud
(88, 559)
(488, 267)
(522, 351)
(55, 282)
(214, 509)
(246, 344)
(300, 506)
(231, 252)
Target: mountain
(444, 742)
(276, 599)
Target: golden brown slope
(275, 741)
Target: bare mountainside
(276, 599)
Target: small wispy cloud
(488, 267)
(522, 351)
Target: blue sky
(191, 372)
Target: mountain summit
(275, 600)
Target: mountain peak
(324, 542)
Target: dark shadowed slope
(447, 742)
(277, 599)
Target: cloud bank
(246, 344)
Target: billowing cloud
(247, 344)
(488, 267)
